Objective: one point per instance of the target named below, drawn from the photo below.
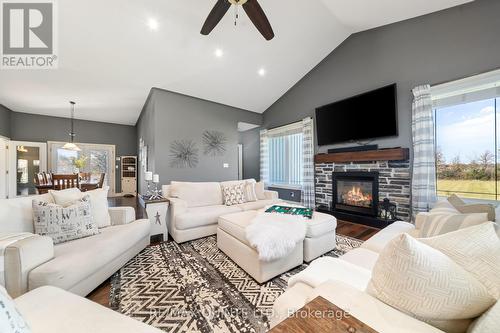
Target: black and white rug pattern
(195, 287)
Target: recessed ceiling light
(153, 24)
(262, 72)
(219, 53)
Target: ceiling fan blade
(259, 18)
(217, 13)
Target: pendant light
(70, 145)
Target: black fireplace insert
(355, 192)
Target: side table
(157, 213)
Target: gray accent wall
(5, 121)
(39, 128)
(251, 153)
(169, 116)
(442, 46)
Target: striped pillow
(438, 224)
(249, 190)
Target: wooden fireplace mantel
(392, 154)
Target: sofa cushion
(64, 224)
(53, 310)
(235, 224)
(380, 239)
(17, 214)
(426, 284)
(328, 268)
(201, 216)
(361, 257)
(476, 249)
(78, 259)
(256, 205)
(11, 321)
(197, 194)
(438, 224)
(488, 322)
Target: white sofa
(78, 266)
(53, 310)
(343, 282)
(195, 208)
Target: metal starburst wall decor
(214, 143)
(183, 154)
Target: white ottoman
(320, 236)
(232, 241)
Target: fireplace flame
(356, 197)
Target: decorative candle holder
(157, 195)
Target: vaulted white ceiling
(109, 58)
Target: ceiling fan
(251, 7)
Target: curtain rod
(293, 122)
(463, 77)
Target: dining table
(89, 185)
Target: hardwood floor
(101, 294)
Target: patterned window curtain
(424, 158)
(264, 157)
(308, 197)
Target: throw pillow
(66, 197)
(233, 194)
(438, 224)
(465, 208)
(488, 322)
(426, 284)
(475, 249)
(250, 194)
(98, 200)
(100, 209)
(259, 191)
(63, 224)
(11, 320)
(456, 201)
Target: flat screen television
(367, 116)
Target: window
(96, 159)
(466, 128)
(285, 156)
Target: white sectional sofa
(343, 282)
(53, 310)
(195, 208)
(78, 266)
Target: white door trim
(12, 167)
(4, 158)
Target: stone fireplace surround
(394, 182)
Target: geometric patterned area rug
(195, 287)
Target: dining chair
(101, 180)
(86, 176)
(39, 179)
(62, 182)
(41, 184)
(48, 178)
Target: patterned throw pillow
(11, 320)
(234, 194)
(63, 224)
(426, 284)
(438, 224)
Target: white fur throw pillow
(426, 284)
(63, 224)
